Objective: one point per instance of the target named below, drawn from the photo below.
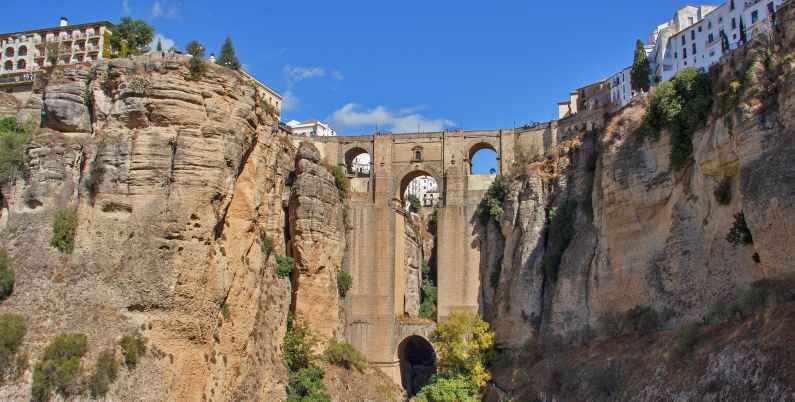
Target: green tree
(195, 49)
(464, 346)
(228, 57)
(641, 70)
(64, 229)
(448, 389)
(59, 367)
(197, 65)
(414, 203)
(138, 34)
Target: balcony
(17, 78)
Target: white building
(28, 51)
(700, 44)
(621, 92)
(311, 128)
(425, 189)
(360, 165)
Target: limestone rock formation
(317, 238)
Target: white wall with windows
(621, 92)
(311, 128)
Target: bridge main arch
(417, 363)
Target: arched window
(483, 160)
(419, 190)
(23, 51)
(10, 52)
(21, 65)
(417, 154)
(9, 65)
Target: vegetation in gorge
(13, 139)
(59, 367)
(343, 354)
(464, 346)
(305, 378)
(105, 372)
(344, 283)
(284, 266)
(679, 106)
(490, 206)
(753, 299)
(414, 203)
(428, 292)
(133, 347)
(12, 331)
(739, 234)
(64, 230)
(7, 276)
(560, 233)
(341, 181)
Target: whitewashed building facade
(311, 128)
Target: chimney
(64, 21)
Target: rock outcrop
(317, 238)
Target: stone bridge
(376, 245)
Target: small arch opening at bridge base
(417, 363)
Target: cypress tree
(228, 57)
(641, 71)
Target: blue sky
(399, 65)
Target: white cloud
(405, 120)
(125, 7)
(337, 75)
(164, 9)
(297, 73)
(290, 102)
(167, 43)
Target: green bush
(414, 203)
(7, 276)
(686, 341)
(723, 193)
(105, 373)
(92, 181)
(344, 283)
(64, 229)
(343, 354)
(490, 206)
(681, 106)
(266, 245)
(196, 66)
(561, 232)
(284, 266)
(133, 348)
(457, 388)
(306, 385)
(13, 139)
(641, 319)
(225, 311)
(12, 331)
(341, 181)
(739, 234)
(59, 367)
(299, 345)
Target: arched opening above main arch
(417, 363)
(483, 160)
(358, 162)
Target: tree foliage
(305, 382)
(12, 331)
(344, 283)
(64, 230)
(7, 276)
(641, 70)
(429, 293)
(464, 347)
(490, 206)
(133, 347)
(59, 367)
(197, 66)
(13, 139)
(457, 388)
(105, 372)
(284, 266)
(343, 354)
(136, 34)
(228, 58)
(414, 203)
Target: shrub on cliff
(341, 181)
(641, 319)
(133, 347)
(344, 282)
(13, 139)
(490, 206)
(105, 372)
(59, 367)
(457, 388)
(343, 354)
(305, 382)
(681, 106)
(64, 229)
(723, 193)
(12, 331)
(464, 347)
(197, 66)
(685, 341)
(6, 276)
(306, 385)
(284, 266)
(739, 234)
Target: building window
(23, 51)
(731, 5)
(676, 55)
(22, 64)
(684, 54)
(770, 8)
(417, 155)
(684, 40)
(9, 65)
(734, 23)
(10, 52)
(711, 37)
(699, 29)
(694, 49)
(709, 24)
(754, 16)
(693, 35)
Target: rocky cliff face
(642, 232)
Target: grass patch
(343, 354)
(64, 229)
(133, 348)
(12, 331)
(59, 367)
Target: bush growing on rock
(59, 367)
(341, 181)
(305, 382)
(105, 372)
(197, 66)
(284, 266)
(685, 341)
(490, 206)
(6, 276)
(12, 331)
(560, 233)
(13, 139)
(343, 354)
(457, 388)
(306, 385)
(344, 283)
(64, 229)
(133, 347)
(723, 193)
(740, 234)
